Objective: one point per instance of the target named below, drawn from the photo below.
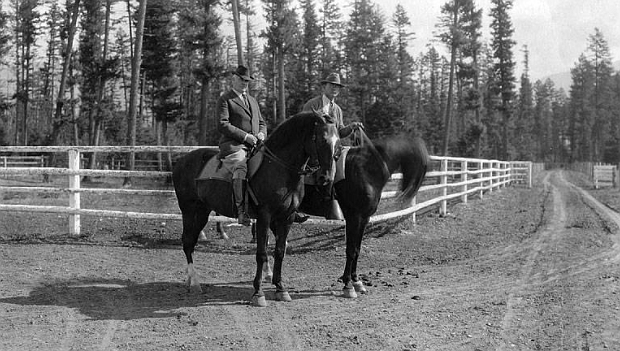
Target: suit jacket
(236, 120)
(316, 103)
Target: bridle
(306, 169)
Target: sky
(555, 31)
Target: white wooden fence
(604, 175)
(451, 179)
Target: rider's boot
(239, 186)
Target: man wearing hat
(325, 102)
(241, 126)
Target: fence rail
(451, 178)
(604, 175)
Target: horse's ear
(317, 113)
(324, 116)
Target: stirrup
(244, 220)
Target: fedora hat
(243, 73)
(333, 78)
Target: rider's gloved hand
(356, 125)
(261, 136)
(250, 140)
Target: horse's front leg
(280, 230)
(258, 298)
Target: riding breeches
(237, 163)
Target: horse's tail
(414, 163)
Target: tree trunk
(98, 113)
(237, 25)
(448, 113)
(135, 85)
(60, 99)
(281, 92)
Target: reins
(305, 169)
(360, 141)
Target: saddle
(217, 175)
(217, 170)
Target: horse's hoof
(349, 293)
(283, 296)
(359, 287)
(259, 301)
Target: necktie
(331, 108)
(245, 100)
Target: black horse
(276, 187)
(368, 167)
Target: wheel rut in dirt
(571, 247)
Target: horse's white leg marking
(268, 274)
(359, 287)
(192, 279)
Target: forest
(149, 72)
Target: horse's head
(323, 147)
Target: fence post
(529, 174)
(4, 162)
(464, 178)
(413, 215)
(74, 195)
(492, 174)
(443, 209)
(480, 178)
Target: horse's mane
(294, 128)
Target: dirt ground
(522, 269)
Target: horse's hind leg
(357, 284)
(194, 219)
(355, 231)
(281, 231)
(221, 231)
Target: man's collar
(238, 92)
(326, 100)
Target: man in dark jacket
(241, 126)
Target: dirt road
(560, 299)
(523, 269)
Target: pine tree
(581, 111)
(282, 39)
(365, 34)
(306, 71)
(160, 67)
(201, 67)
(403, 91)
(502, 43)
(26, 21)
(600, 59)
(332, 34)
(524, 115)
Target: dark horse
(368, 168)
(276, 188)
